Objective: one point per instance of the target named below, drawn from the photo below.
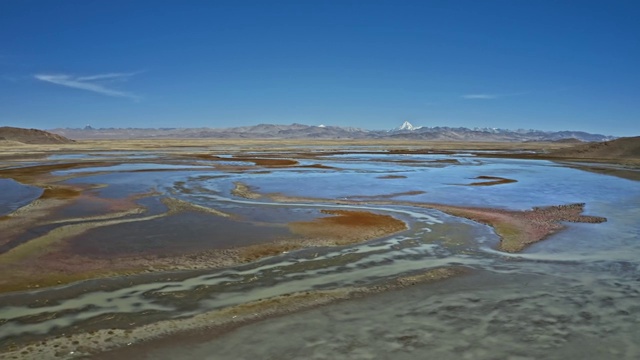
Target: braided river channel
(440, 288)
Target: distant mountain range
(300, 131)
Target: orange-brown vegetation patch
(438, 161)
(420, 151)
(32, 174)
(344, 228)
(41, 273)
(446, 161)
(392, 177)
(318, 166)
(38, 212)
(47, 261)
(491, 180)
(519, 229)
(205, 156)
(388, 196)
(268, 162)
(258, 251)
(59, 192)
(41, 212)
(347, 227)
(273, 162)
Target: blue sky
(550, 65)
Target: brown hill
(31, 136)
(620, 149)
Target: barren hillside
(30, 136)
(621, 149)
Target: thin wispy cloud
(108, 76)
(480, 96)
(94, 83)
(485, 96)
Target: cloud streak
(90, 83)
(484, 96)
(480, 96)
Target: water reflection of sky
(123, 184)
(129, 167)
(539, 183)
(14, 195)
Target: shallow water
(14, 195)
(486, 315)
(575, 295)
(101, 155)
(128, 167)
(539, 183)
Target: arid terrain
(12, 136)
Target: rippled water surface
(575, 295)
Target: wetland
(317, 250)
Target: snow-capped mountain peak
(407, 126)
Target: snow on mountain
(301, 131)
(407, 126)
